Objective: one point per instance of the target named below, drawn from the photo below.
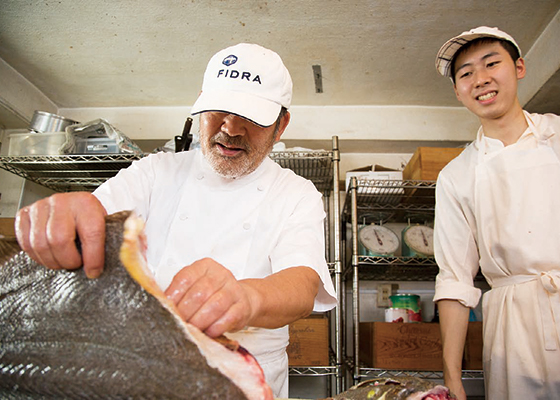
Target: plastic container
(396, 315)
(35, 144)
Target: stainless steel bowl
(43, 122)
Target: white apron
(230, 242)
(517, 206)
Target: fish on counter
(405, 388)
(66, 336)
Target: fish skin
(405, 388)
(66, 336)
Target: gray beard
(236, 168)
(233, 168)
(229, 171)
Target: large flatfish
(63, 335)
(404, 388)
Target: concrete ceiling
(98, 53)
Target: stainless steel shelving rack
(322, 168)
(63, 173)
(369, 201)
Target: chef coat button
(183, 217)
(246, 226)
(200, 176)
(260, 188)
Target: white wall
(542, 61)
(412, 124)
(19, 97)
(308, 122)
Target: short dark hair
(506, 44)
(283, 111)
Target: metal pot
(46, 122)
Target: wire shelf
(397, 268)
(392, 200)
(312, 371)
(68, 172)
(64, 173)
(375, 373)
(313, 165)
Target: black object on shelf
(184, 141)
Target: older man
(235, 240)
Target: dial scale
(418, 241)
(377, 240)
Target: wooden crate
(7, 227)
(309, 342)
(401, 346)
(426, 163)
(473, 347)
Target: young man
(236, 241)
(498, 207)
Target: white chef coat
(255, 225)
(499, 207)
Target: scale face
(418, 241)
(378, 240)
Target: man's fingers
(233, 320)
(182, 281)
(210, 311)
(195, 297)
(92, 239)
(39, 214)
(91, 230)
(61, 234)
(22, 228)
(47, 231)
(205, 294)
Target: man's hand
(47, 230)
(209, 297)
(457, 389)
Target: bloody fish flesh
(406, 388)
(66, 336)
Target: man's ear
(283, 124)
(520, 68)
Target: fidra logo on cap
(229, 60)
(234, 74)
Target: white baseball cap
(447, 52)
(246, 80)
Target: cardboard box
(309, 342)
(473, 347)
(426, 163)
(401, 346)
